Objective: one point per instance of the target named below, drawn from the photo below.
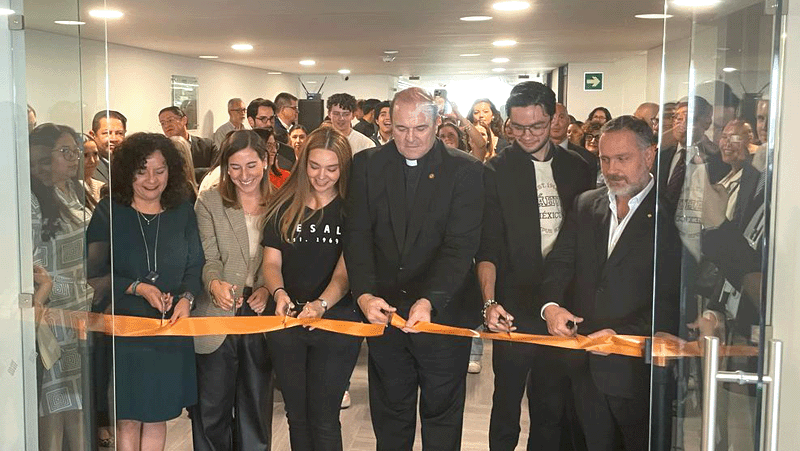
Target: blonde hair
(288, 206)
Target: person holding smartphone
(305, 271)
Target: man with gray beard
(599, 282)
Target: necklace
(146, 219)
(153, 271)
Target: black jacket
(615, 291)
(204, 155)
(511, 237)
(433, 259)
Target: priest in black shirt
(412, 229)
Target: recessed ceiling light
(242, 47)
(504, 43)
(391, 52)
(208, 57)
(499, 69)
(511, 6)
(308, 63)
(470, 54)
(6, 12)
(654, 16)
(105, 14)
(476, 18)
(729, 69)
(500, 60)
(344, 71)
(311, 82)
(695, 3)
(274, 73)
(69, 22)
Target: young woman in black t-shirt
(305, 272)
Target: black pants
(234, 406)
(541, 369)
(313, 368)
(611, 423)
(400, 364)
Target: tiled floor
(356, 426)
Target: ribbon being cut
(661, 347)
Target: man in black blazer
(413, 227)
(204, 153)
(599, 282)
(108, 130)
(529, 187)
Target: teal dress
(154, 376)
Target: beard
(623, 186)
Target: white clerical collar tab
(411, 163)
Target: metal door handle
(711, 378)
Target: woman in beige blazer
(234, 371)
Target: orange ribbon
(629, 345)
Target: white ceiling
(353, 34)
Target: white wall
(139, 82)
(624, 86)
(381, 87)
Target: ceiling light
(6, 12)
(242, 47)
(511, 6)
(308, 63)
(391, 52)
(105, 14)
(499, 69)
(208, 57)
(311, 82)
(695, 3)
(729, 69)
(476, 18)
(504, 43)
(654, 16)
(69, 22)
(274, 73)
(344, 71)
(470, 54)
(500, 60)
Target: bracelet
(276, 291)
(134, 285)
(486, 305)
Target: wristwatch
(323, 303)
(189, 297)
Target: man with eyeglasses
(173, 123)
(340, 111)
(261, 114)
(648, 112)
(236, 113)
(286, 112)
(108, 130)
(529, 189)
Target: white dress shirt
(617, 226)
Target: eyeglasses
(265, 118)
(590, 137)
(535, 129)
(69, 153)
(733, 139)
(238, 110)
(292, 107)
(654, 121)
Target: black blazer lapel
(427, 185)
(236, 219)
(395, 192)
(602, 219)
(521, 194)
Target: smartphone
(440, 98)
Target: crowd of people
(535, 223)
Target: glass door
(720, 67)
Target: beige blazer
(223, 233)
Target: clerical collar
(411, 163)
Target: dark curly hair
(131, 157)
(497, 118)
(342, 100)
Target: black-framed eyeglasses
(69, 153)
(533, 128)
(265, 118)
(590, 137)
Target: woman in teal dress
(148, 229)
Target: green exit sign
(592, 81)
